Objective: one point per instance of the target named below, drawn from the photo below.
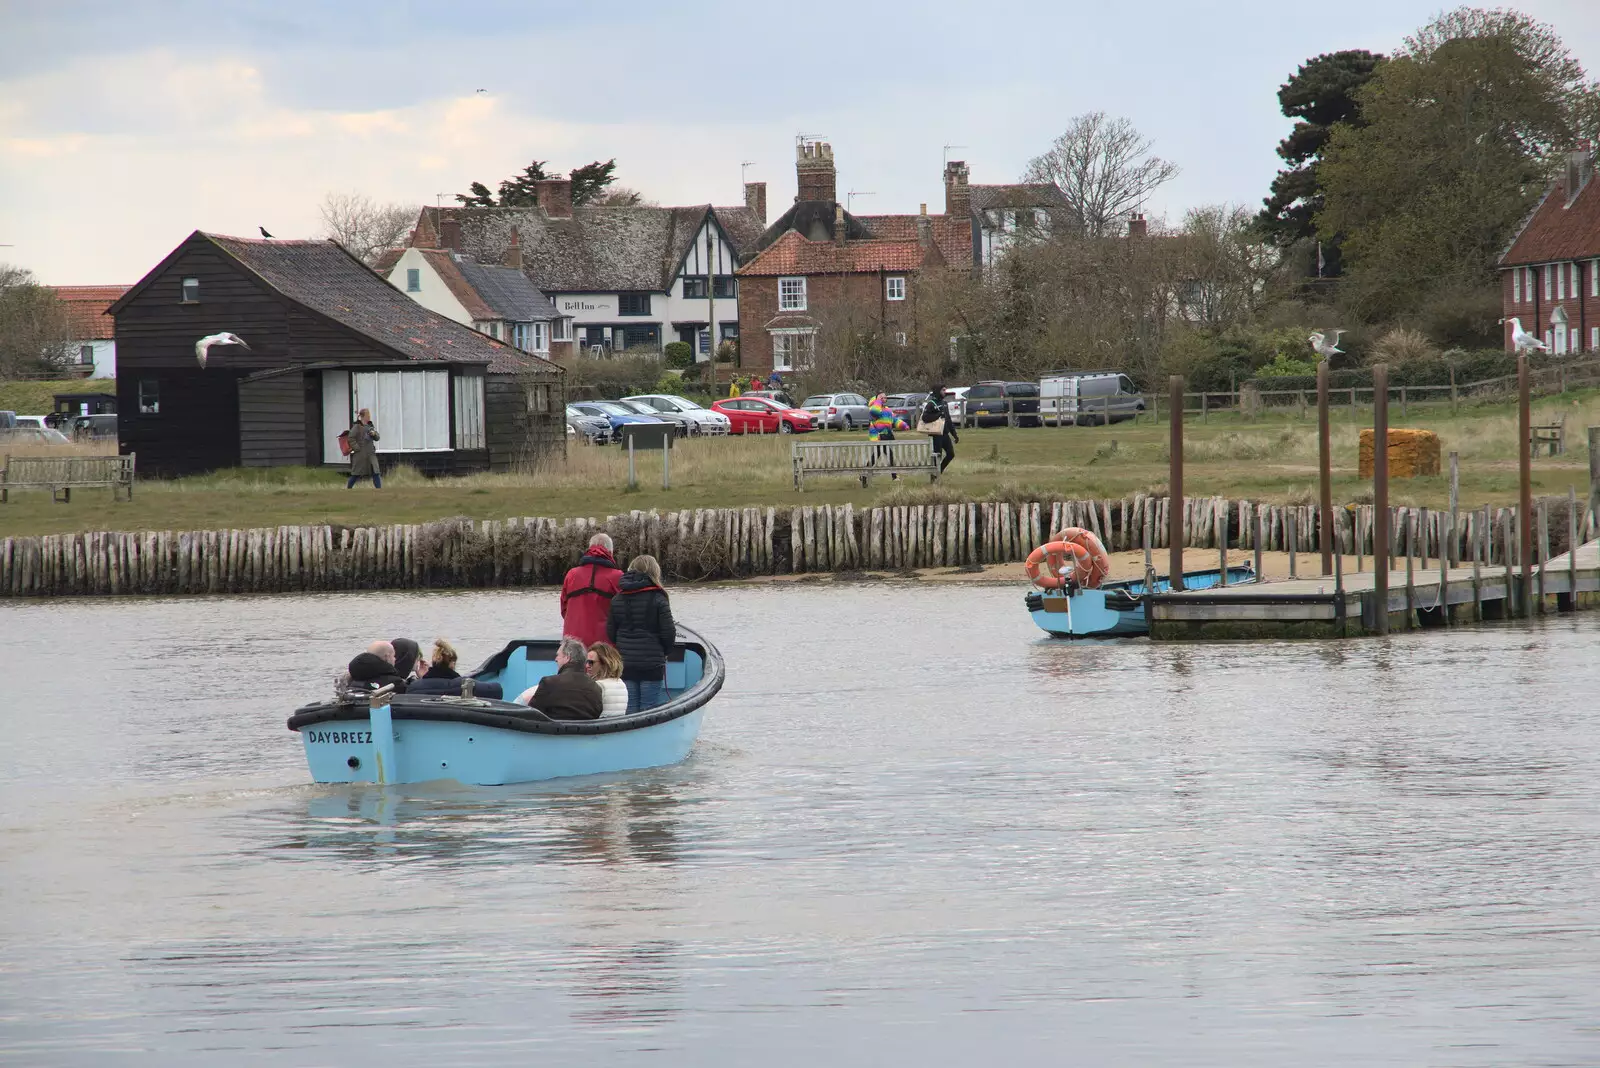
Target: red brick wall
(1583, 309)
(826, 296)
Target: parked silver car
(700, 420)
(594, 429)
(838, 411)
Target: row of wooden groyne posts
(696, 544)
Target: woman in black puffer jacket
(641, 627)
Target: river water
(910, 833)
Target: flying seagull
(263, 230)
(482, 90)
(1323, 347)
(1523, 341)
(203, 346)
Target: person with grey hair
(587, 591)
(570, 693)
(375, 668)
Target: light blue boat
(1116, 609)
(485, 741)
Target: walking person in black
(936, 412)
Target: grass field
(1271, 459)
(38, 398)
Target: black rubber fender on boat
(510, 716)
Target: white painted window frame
(796, 285)
(894, 287)
(787, 335)
(1544, 273)
(1516, 287)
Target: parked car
(1087, 398)
(32, 436)
(838, 411)
(678, 420)
(595, 429)
(778, 395)
(700, 420)
(992, 403)
(907, 406)
(955, 399)
(758, 415)
(36, 421)
(613, 413)
(94, 427)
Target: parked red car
(757, 415)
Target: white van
(1087, 398)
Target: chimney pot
(755, 198)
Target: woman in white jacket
(604, 665)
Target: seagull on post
(202, 348)
(1324, 347)
(1522, 341)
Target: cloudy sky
(124, 126)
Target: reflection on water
(912, 831)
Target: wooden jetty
(1342, 605)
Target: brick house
(818, 262)
(1550, 275)
(94, 339)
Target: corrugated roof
(793, 254)
(1558, 231)
(86, 310)
(321, 276)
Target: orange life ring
(1056, 560)
(1094, 565)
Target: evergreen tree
(1320, 96)
(591, 180)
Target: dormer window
(191, 291)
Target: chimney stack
(838, 224)
(957, 194)
(450, 233)
(814, 174)
(924, 228)
(1580, 168)
(755, 198)
(555, 197)
(1137, 226)
(513, 256)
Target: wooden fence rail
(698, 544)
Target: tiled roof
(321, 276)
(449, 272)
(86, 310)
(1558, 231)
(507, 292)
(598, 249)
(1017, 195)
(814, 219)
(793, 254)
(952, 233)
(743, 226)
(387, 259)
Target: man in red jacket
(586, 594)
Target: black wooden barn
(326, 338)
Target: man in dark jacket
(570, 693)
(375, 668)
(586, 594)
(642, 629)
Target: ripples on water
(910, 832)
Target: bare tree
(364, 227)
(35, 332)
(1104, 167)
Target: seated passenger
(441, 661)
(569, 693)
(375, 668)
(406, 653)
(604, 665)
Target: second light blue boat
(1116, 609)
(482, 740)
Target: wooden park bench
(1552, 435)
(62, 474)
(864, 459)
